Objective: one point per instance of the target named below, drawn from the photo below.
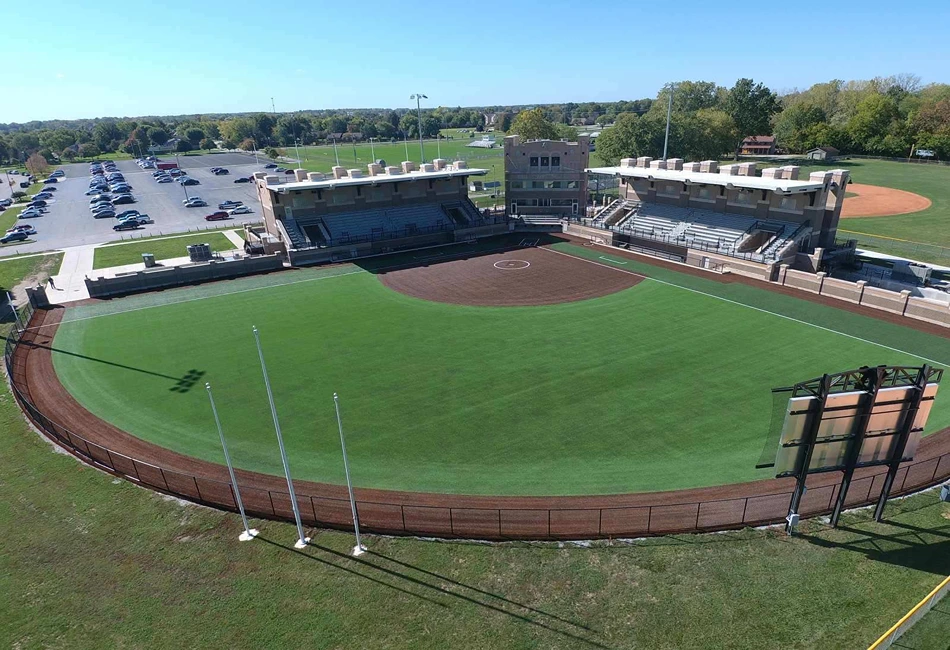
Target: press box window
(533, 161)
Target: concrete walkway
(235, 239)
(69, 284)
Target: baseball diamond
(589, 392)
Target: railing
(444, 516)
(693, 244)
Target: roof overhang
(333, 183)
(780, 185)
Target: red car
(217, 216)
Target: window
(533, 161)
(790, 203)
(517, 185)
(537, 185)
(545, 161)
(555, 161)
(572, 185)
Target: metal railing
(444, 516)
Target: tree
(272, 153)
(751, 106)
(89, 150)
(23, 144)
(194, 136)
(247, 144)
(503, 122)
(691, 96)
(531, 125)
(566, 132)
(183, 146)
(69, 154)
(794, 123)
(336, 124)
(873, 121)
(57, 140)
(4, 149)
(37, 164)
(207, 144)
(385, 130)
(231, 144)
(238, 129)
(430, 126)
(623, 140)
(158, 135)
(393, 119)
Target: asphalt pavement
(69, 222)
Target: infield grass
(663, 386)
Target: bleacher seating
(297, 238)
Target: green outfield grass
(930, 226)
(656, 387)
(14, 269)
(932, 632)
(162, 248)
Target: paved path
(235, 239)
(69, 284)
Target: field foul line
(610, 260)
(182, 302)
(759, 309)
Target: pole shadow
(436, 588)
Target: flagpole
(359, 549)
(301, 540)
(249, 533)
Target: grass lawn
(89, 561)
(14, 269)
(162, 248)
(503, 400)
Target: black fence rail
(434, 515)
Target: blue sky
(75, 58)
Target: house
(822, 153)
(171, 145)
(758, 145)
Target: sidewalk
(69, 284)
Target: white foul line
(742, 304)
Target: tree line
(887, 116)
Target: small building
(546, 178)
(822, 153)
(758, 145)
(170, 145)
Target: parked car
(141, 218)
(128, 224)
(48, 181)
(196, 204)
(105, 214)
(15, 172)
(96, 190)
(121, 200)
(59, 173)
(165, 179)
(227, 205)
(51, 188)
(288, 171)
(11, 237)
(192, 198)
(23, 227)
(242, 179)
(190, 181)
(42, 196)
(100, 197)
(221, 172)
(217, 216)
(30, 213)
(37, 203)
(25, 184)
(241, 209)
(279, 170)
(127, 213)
(270, 166)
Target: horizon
(212, 64)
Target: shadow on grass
(911, 548)
(439, 590)
(183, 384)
(455, 252)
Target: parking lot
(69, 222)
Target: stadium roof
(706, 178)
(330, 182)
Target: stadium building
(670, 208)
(545, 180)
(350, 213)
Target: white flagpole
(249, 533)
(301, 540)
(359, 549)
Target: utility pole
(669, 111)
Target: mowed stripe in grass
(651, 388)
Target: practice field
(663, 383)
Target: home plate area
(520, 276)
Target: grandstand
(672, 206)
(349, 213)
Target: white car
(191, 199)
(28, 229)
(141, 218)
(241, 209)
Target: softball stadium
(526, 385)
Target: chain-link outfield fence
(453, 516)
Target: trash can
(149, 260)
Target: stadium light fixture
(249, 533)
(418, 97)
(302, 541)
(359, 549)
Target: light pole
(372, 149)
(297, 149)
(336, 154)
(178, 163)
(669, 111)
(418, 97)
(438, 143)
